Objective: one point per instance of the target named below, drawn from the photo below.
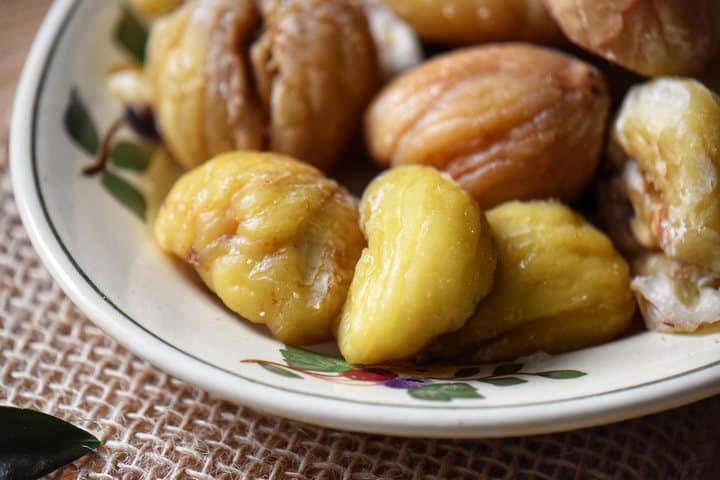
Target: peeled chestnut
(465, 22)
(152, 8)
(510, 121)
(651, 37)
(664, 201)
(668, 134)
(274, 238)
(675, 296)
(430, 258)
(560, 285)
(397, 44)
(291, 76)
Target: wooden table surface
(19, 21)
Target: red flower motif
(369, 374)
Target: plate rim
(468, 422)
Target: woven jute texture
(154, 426)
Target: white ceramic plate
(104, 258)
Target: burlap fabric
(154, 426)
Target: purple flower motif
(406, 382)
(141, 120)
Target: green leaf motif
(562, 374)
(132, 34)
(125, 193)
(508, 369)
(79, 125)
(132, 156)
(444, 392)
(314, 362)
(33, 444)
(466, 372)
(279, 371)
(504, 381)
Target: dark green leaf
(79, 125)
(507, 369)
(125, 193)
(132, 34)
(444, 392)
(132, 156)
(562, 374)
(466, 372)
(279, 371)
(504, 381)
(316, 362)
(33, 444)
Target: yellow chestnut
(153, 8)
(560, 285)
(429, 260)
(274, 238)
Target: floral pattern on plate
(433, 383)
